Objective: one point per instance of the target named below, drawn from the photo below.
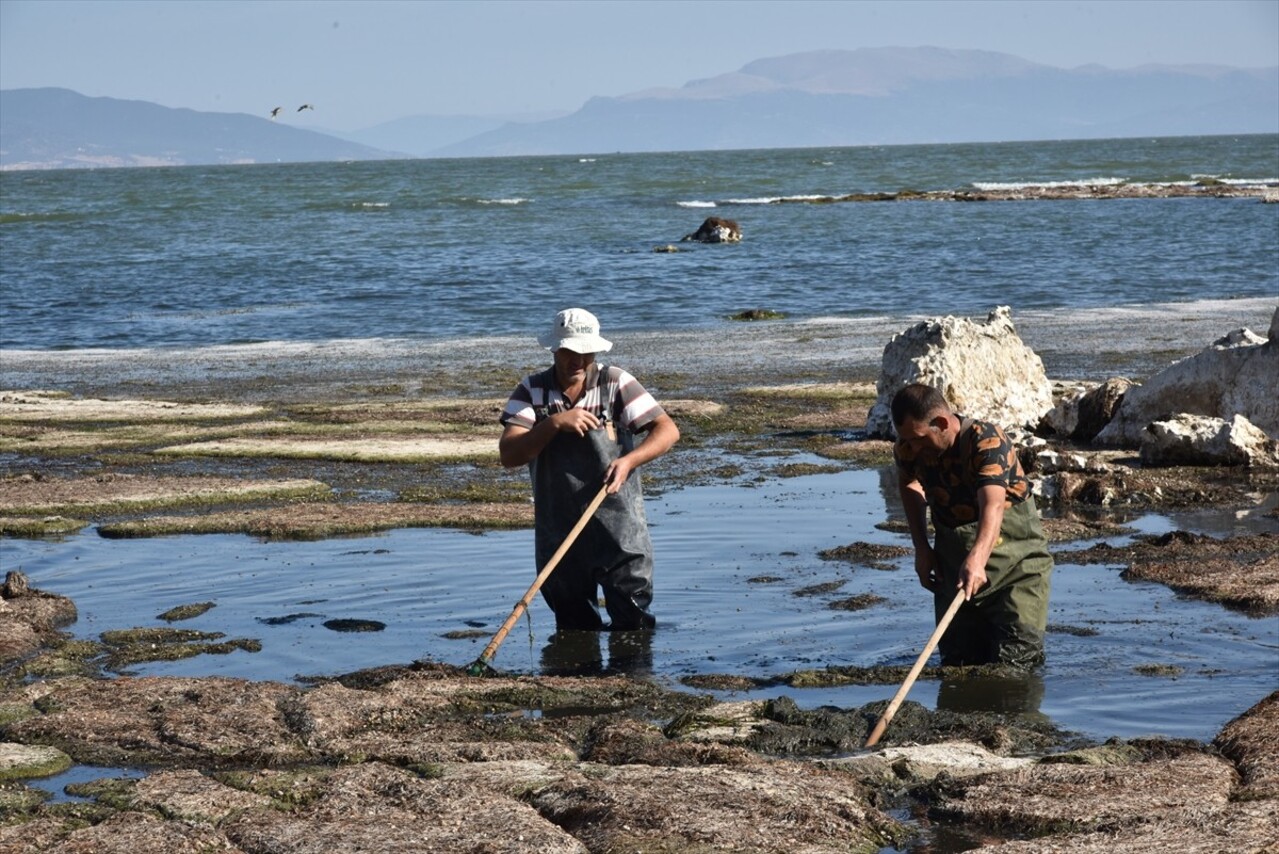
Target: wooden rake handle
(882, 723)
(522, 605)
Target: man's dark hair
(917, 401)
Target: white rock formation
(1237, 375)
(1200, 440)
(983, 369)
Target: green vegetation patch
(48, 526)
(417, 449)
(288, 789)
(860, 602)
(318, 521)
(107, 496)
(865, 553)
(804, 469)
(27, 761)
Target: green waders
(1004, 623)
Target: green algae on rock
(186, 612)
(26, 761)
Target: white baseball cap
(575, 329)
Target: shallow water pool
(730, 561)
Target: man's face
(570, 367)
(926, 440)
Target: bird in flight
(305, 107)
(276, 112)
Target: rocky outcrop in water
(983, 368)
(715, 230)
(29, 618)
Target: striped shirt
(538, 395)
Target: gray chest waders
(1005, 621)
(614, 551)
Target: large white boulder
(983, 369)
(1200, 440)
(1237, 375)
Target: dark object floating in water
(757, 314)
(476, 624)
(465, 634)
(354, 625)
(288, 618)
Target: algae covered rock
(27, 761)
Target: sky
(369, 61)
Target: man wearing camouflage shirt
(989, 542)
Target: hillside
(878, 96)
(870, 96)
(58, 128)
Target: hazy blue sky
(361, 63)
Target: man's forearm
(915, 507)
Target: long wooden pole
(887, 716)
(482, 663)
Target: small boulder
(715, 230)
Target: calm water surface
(716, 546)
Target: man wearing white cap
(574, 425)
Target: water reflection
(1003, 693)
(578, 653)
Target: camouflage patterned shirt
(981, 456)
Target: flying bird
(276, 112)
(305, 107)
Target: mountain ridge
(867, 96)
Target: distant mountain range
(822, 98)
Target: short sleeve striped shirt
(630, 404)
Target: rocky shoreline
(1207, 188)
(423, 757)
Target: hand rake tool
(481, 666)
(887, 716)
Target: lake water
(469, 249)
(164, 278)
(717, 547)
